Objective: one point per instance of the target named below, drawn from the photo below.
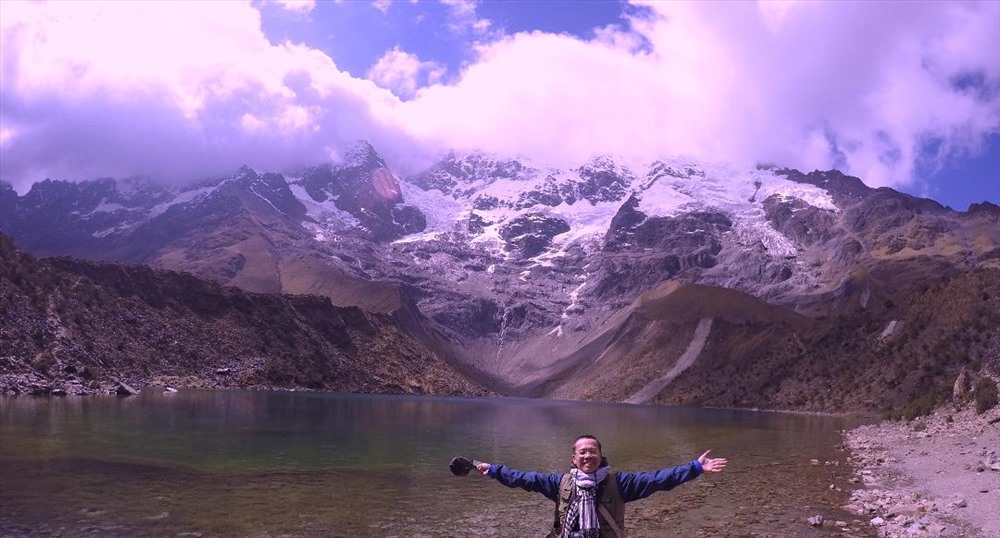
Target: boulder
(125, 390)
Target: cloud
(382, 5)
(403, 72)
(465, 19)
(89, 90)
(860, 86)
(879, 90)
(297, 6)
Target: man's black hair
(588, 436)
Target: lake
(245, 463)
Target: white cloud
(465, 19)
(87, 89)
(461, 8)
(382, 5)
(402, 72)
(859, 86)
(297, 6)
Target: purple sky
(901, 94)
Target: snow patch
(328, 218)
(253, 189)
(105, 207)
(889, 329)
(182, 197)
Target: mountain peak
(244, 175)
(986, 209)
(362, 155)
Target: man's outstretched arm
(545, 483)
(635, 486)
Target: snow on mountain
(105, 207)
(737, 192)
(495, 190)
(137, 211)
(326, 218)
(181, 197)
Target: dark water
(240, 463)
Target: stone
(125, 390)
(904, 510)
(815, 521)
(877, 522)
(963, 384)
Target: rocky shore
(936, 476)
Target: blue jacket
(633, 486)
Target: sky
(900, 94)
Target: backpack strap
(610, 520)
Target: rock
(224, 371)
(877, 522)
(904, 510)
(169, 390)
(58, 392)
(959, 503)
(125, 390)
(935, 529)
(815, 521)
(839, 523)
(962, 386)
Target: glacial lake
(243, 463)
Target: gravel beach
(938, 475)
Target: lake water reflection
(243, 463)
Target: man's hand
(711, 465)
(483, 468)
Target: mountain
(521, 276)
(81, 327)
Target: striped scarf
(583, 507)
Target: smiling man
(590, 499)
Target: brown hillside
(78, 327)
(680, 302)
(853, 363)
(654, 333)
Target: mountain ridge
(492, 262)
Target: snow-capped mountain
(516, 271)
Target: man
(590, 499)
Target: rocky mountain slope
(76, 327)
(578, 283)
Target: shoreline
(937, 476)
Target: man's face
(586, 455)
